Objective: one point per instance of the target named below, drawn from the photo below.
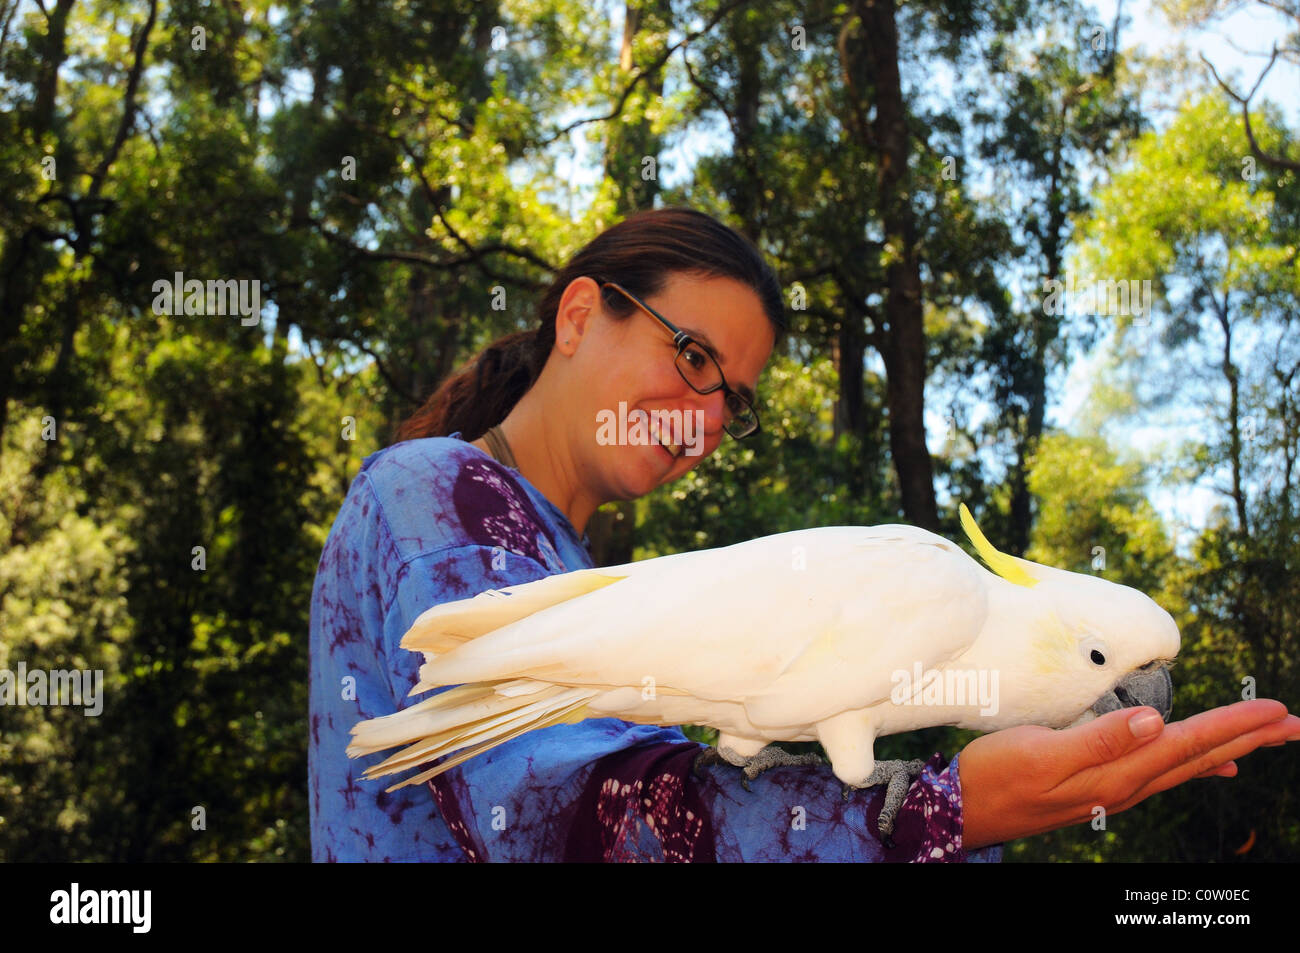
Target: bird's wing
(796, 626)
(450, 624)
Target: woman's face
(631, 361)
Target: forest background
(957, 196)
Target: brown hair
(639, 253)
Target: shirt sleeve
(606, 790)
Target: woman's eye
(695, 358)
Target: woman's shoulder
(428, 461)
(439, 492)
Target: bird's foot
(774, 757)
(897, 777)
(709, 755)
(770, 757)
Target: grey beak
(1148, 685)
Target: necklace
(499, 448)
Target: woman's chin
(651, 468)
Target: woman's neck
(544, 458)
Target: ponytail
(478, 397)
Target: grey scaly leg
(897, 777)
(770, 757)
(773, 757)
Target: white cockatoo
(839, 634)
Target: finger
(1196, 742)
(1228, 770)
(1108, 738)
(1233, 749)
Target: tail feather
(412, 724)
(424, 744)
(484, 733)
(376, 734)
(492, 707)
(477, 718)
(573, 712)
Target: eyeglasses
(701, 371)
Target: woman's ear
(578, 305)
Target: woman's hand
(1027, 780)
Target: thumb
(1116, 733)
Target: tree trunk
(903, 333)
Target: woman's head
(700, 275)
(641, 254)
(614, 359)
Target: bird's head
(1098, 644)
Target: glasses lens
(742, 424)
(699, 369)
(736, 405)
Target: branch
(401, 391)
(128, 104)
(474, 254)
(875, 335)
(437, 263)
(311, 333)
(1281, 8)
(648, 71)
(48, 236)
(1278, 162)
(4, 30)
(439, 208)
(713, 94)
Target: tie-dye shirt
(435, 520)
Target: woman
(435, 518)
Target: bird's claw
(897, 777)
(708, 756)
(770, 757)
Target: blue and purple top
(435, 520)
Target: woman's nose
(714, 407)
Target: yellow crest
(1008, 567)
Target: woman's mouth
(673, 450)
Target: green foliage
(789, 476)
(64, 607)
(1093, 518)
(391, 172)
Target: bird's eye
(1095, 651)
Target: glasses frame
(684, 340)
